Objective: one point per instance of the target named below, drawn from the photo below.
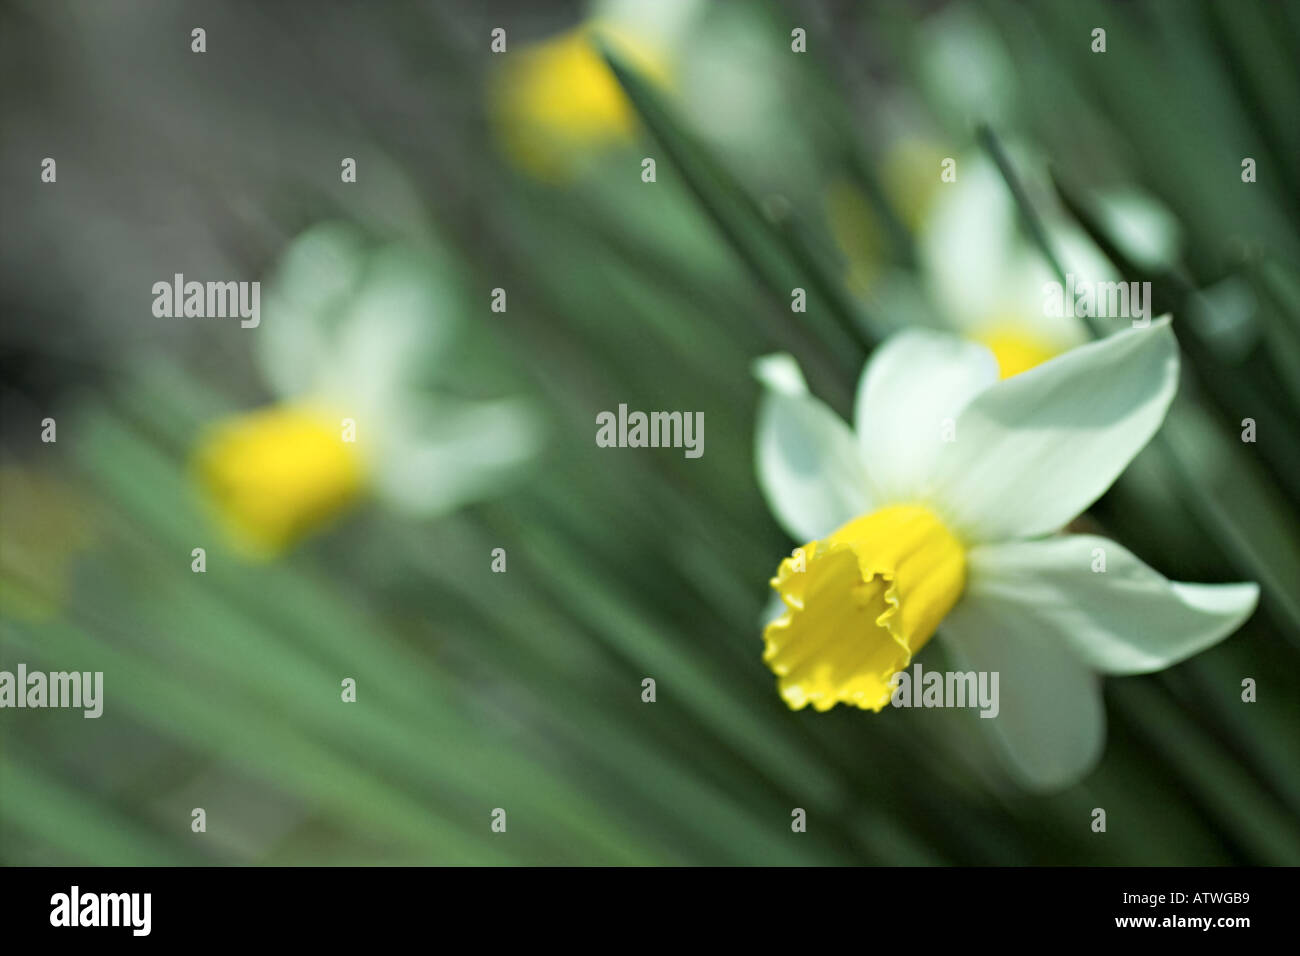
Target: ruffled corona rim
(859, 605)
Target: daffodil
(940, 516)
(988, 281)
(353, 341)
(982, 277)
(556, 105)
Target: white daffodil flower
(939, 515)
(556, 107)
(991, 284)
(555, 104)
(988, 281)
(352, 343)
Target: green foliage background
(522, 690)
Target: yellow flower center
(859, 604)
(275, 475)
(1016, 348)
(557, 100)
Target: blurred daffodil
(555, 103)
(939, 516)
(354, 339)
(989, 281)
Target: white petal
(780, 372)
(1145, 230)
(312, 285)
(915, 381)
(1080, 257)
(664, 24)
(397, 326)
(1127, 619)
(1035, 450)
(1021, 304)
(435, 455)
(968, 243)
(807, 461)
(352, 323)
(1050, 725)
